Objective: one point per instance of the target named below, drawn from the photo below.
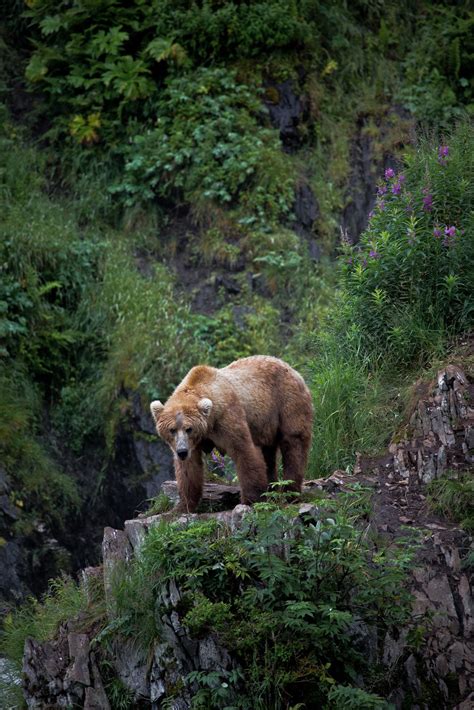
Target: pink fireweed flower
(218, 459)
(449, 236)
(428, 202)
(443, 152)
(389, 173)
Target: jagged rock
(79, 653)
(215, 496)
(439, 431)
(116, 550)
(131, 667)
(62, 673)
(368, 161)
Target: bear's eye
(189, 430)
(173, 431)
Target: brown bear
(249, 410)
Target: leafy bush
(281, 596)
(409, 284)
(207, 146)
(439, 68)
(239, 331)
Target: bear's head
(183, 424)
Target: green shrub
(281, 599)
(234, 332)
(207, 146)
(439, 67)
(409, 284)
(342, 697)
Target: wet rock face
(368, 160)
(287, 111)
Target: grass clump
(40, 619)
(452, 496)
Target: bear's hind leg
(294, 452)
(190, 481)
(270, 456)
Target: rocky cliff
(434, 670)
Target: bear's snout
(182, 453)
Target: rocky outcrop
(440, 432)
(429, 664)
(63, 673)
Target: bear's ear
(156, 408)
(205, 406)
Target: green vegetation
(409, 286)
(258, 593)
(282, 596)
(453, 496)
(40, 619)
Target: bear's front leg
(251, 467)
(190, 480)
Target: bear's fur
(249, 410)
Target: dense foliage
(409, 283)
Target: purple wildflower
(381, 205)
(374, 254)
(389, 173)
(437, 233)
(396, 188)
(443, 152)
(450, 231)
(381, 190)
(218, 459)
(428, 202)
(401, 178)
